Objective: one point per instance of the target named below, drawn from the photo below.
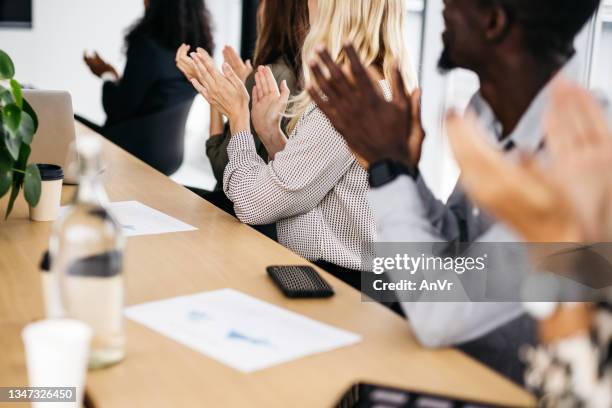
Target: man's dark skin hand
(375, 129)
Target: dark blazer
(216, 145)
(151, 83)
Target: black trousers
(220, 200)
(353, 278)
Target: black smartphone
(364, 395)
(300, 282)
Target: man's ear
(497, 24)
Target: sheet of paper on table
(139, 219)
(239, 330)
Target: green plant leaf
(7, 68)
(6, 173)
(22, 161)
(31, 185)
(20, 164)
(12, 142)
(13, 197)
(17, 94)
(11, 116)
(6, 97)
(25, 133)
(30, 111)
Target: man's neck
(510, 85)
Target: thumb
(255, 95)
(249, 65)
(285, 92)
(415, 101)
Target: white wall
(50, 54)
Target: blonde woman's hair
(377, 30)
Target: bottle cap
(88, 146)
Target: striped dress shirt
(315, 190)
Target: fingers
(590, 112)
(360, 74)
(231, 76)
(182, 51)
(415, 102)
(202, 73)
(324, 84)
(208, 63)
(231, 57)
(201, 90)
(259, 82)
(271, 84)
(315, 94)
(285, 93)
(255, 95)
(334, 96)
(264, 85)
(400, 95)
(338, 78)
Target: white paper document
(138, 219)
(239, 330)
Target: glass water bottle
(87, 251)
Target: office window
(16, 13)
(601, 65)
(416, 9)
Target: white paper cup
(48, 208)
(57, 353)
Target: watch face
(381, 173)
(387, 171)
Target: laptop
(54, 142)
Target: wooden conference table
(223, 253)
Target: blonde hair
(377, 30)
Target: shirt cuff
(214, 140)
(108, 77)
(401, 194)
(241, 141)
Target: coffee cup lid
(50, 172)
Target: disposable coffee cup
(57, 353)
(48, 207)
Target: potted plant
(18, 124)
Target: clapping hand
(269, 105)
(375, 129)
(224, 91)
(569, 199)
(242, 68)
(98, 66)
(185, 64)
(580, 141)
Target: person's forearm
(216, 122)
(401, 216)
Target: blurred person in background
(151, 83)
(282, 26)
(516, 48)
(567, 198)
(313, 187)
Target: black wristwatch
(386, 171)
